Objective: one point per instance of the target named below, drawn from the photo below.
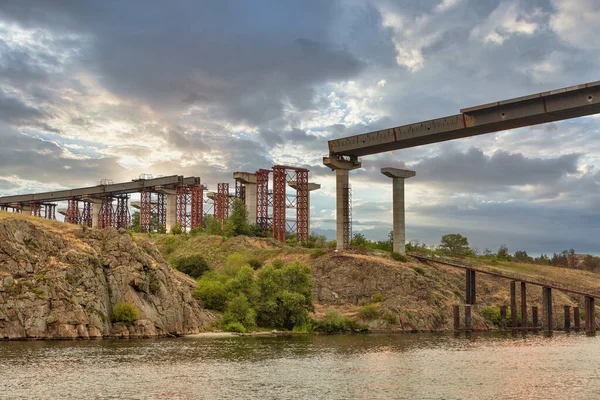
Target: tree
(194, 265)
(455, 244)
(359, 239)
(237, 223)
(503, 253)
(212, 226)
(591, 263)
(285, 295)
(521, 256)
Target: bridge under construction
(168, 201)
(539, 108)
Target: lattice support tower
(222, 202)
(302, 193)
(50, 211)
(209, 204)
(347, 212)
(159, 207)
(72, 215)
(197, 206)
(240, 190)
(122, 215)
(262, 198)
(145, 211)
(35, 209)
(106, 215)
(279, 202)
(183, 204)
(86, 214)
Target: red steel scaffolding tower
(197, 206)
(262, 198)
(106, 214)
(122, 216)
(281, 176)
(222, 202)
(72, 215)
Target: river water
(417, 366)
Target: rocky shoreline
(59, 281)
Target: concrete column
(399, 230)
(342, 167)
(513, 303)
(467, 317)
(576, 318)
(251, 202)
(456, 314)
(523, 305)
(567, 318)
(547, 309)
(171, 211)
(96, 207)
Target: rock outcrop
(59, 281)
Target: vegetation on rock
(125, 313)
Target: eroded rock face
(61, 282)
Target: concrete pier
(470, 297)
(399, 219)
(513, 304)
(249, 181)
(590, 315)
(456, 315)
(523, 304)
(96, 207)
(342, 167)
(567, 318)
(467, 317)
(171, 211)
(576, 318)
(547, 321)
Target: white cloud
(505, 21)
(576, 22)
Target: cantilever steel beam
(555, 105)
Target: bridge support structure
(576, 318)
(398, 212)
(590, 315)
(523, 304)
(222, 202)
(262, 198)
(122, 217)
(567, 318)
(534, 318)
(547, 320)
(342, 167)
(471, 295)
(503, 317)
(513, 304)
(468, 319)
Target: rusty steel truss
(197, 206)
(106, 216)
(122, 217)
(281, 176)
(222, 202)
(262, 198)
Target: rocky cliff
(59, 281)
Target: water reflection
(482, 366)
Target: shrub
(124, 313)
(239, 310)
(195, 231)
(399, 257)
(193, 266)
(212, 290)
(318, 252)
(419, 270)
(176, 230)
(377, 298)
(237, 223)
(391, 318)
(334, 322)
(369, 312)
(255, 263)
(233, 264)
(235, 327)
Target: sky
(93, 90)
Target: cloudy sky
(110, 89)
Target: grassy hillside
(418, 295)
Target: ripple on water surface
(430, 366)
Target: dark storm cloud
(239, 60)
(38, 160)
(474, 170)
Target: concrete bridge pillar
(342, 167)
(547, 309)
(96, 207)
(398, 176)
(249, 180)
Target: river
(375, 366)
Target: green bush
(212, 291)
(391, 318)
(399, 257)
(176, 230)
(369, 312)
(235, 327)
(240, 310)
(419, 270)
(335, 322)
(195, 231)
(124, 313)
(233, 264)
(255, 263)
(193, 266)
(318, 252)
(491, 315)
(377, 298)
